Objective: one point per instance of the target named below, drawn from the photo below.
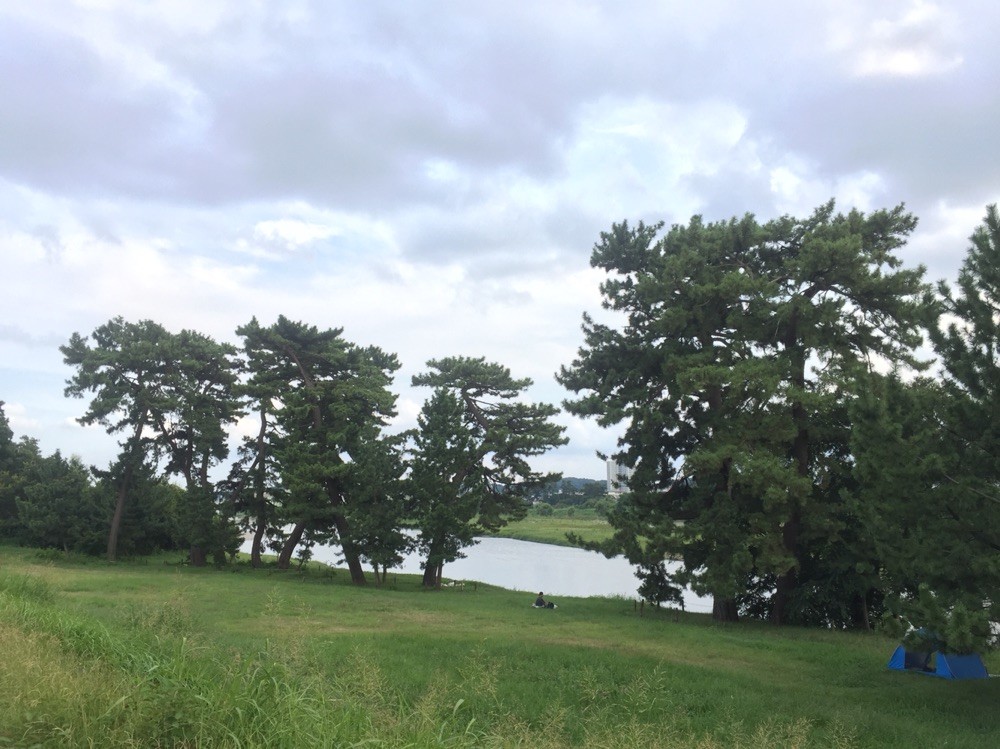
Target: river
(558, 571)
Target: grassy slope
(552, 529)
(406, 667)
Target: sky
(432, 176)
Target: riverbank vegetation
(152, 652)
(557, 525)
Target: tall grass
(70, 681)
(161, 656)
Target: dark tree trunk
(725, 610)
(285, 557)
(259, 470)
(432, 575)
(788, 581)
(351, 554)
(258, 541)
(197, 556)
(116, 520)
(353, 560)
(859, 612)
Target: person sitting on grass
(541, 603)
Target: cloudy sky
(432, 176)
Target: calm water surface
(523, 565)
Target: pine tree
(124, 370)
(738, 346)
(470, 471)
(334, 397)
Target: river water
(558, 571)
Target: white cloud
(291, 232)
(797, 189)
(633, 155)
(19, 418)
(921, 39)
(942, 241)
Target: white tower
(618, 476)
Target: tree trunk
(353, 560)
(787, 581)
(197, 556)
(259, 471)
(725, 610)
(432, 574)
(429, 575)
(859, 612)
(258, 541)
(351, 554)
(285, 557)
(785, 585)
(116, 520)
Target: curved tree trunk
(351, 554)
(353, 560)
(285, 557)
(258, 541)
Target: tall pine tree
(739, 345)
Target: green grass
(154, 653)
(552, 529)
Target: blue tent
(945, 665)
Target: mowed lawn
(154, 653)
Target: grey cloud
(69, 123)
(345, 107)
(16, 334)
(345, 110)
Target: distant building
(618, 477)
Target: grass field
(552, 529)
(153, 653)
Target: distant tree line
(790, 449)
(572, 492)
(317, 467)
